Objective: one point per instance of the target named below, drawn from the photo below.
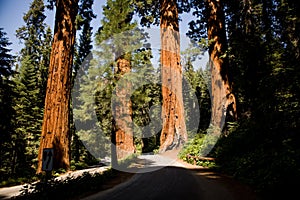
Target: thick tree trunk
(55, 130)
(123, 112)
(221, 93)
(174, 129)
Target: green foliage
(149, 10)
(192, 147)
(6, 59)
(192, 151)
(196, 88)
(265, 158)
(84, 44)
(26, 98)
(6, 107)
(29, 115)
(117, 21)
(80, 157)
(146, 112)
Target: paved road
(164, 177)
(174, 181)
(9, 192)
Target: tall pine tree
(84, 44)
(31, 83)
(6, 107)
(82, 58)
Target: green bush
(191, 152)
(264, 157)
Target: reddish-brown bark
(174, 129)
(123, 112)
(55, 129)
(220, 87)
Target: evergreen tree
(31, 84)
(84, 47)
(82, 57)
(6, 107)
(44, 63)
(36, 37)
(196, 83)
(28, 119)
(6, 58)
(146, 102)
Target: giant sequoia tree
(116, 26)
(174, 129)
(211, 26)
(220, 86)
(55, 129)
(173, 133)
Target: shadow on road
(238, 190)
(177, 183)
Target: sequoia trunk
(123, 111)
(174, 129)
(55, 129)
(220, 87)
